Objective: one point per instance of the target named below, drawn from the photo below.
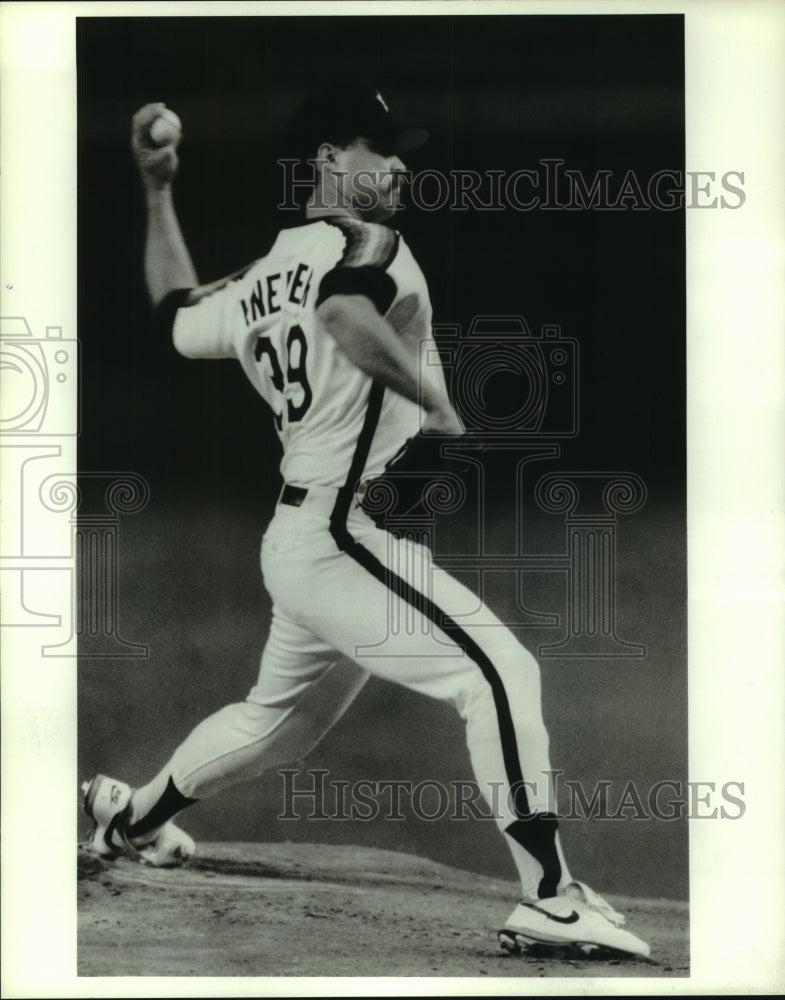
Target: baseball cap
(346, 111)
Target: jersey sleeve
(363, 268)
(202, 320)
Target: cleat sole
(515, 943)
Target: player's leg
(496, 689)
(381, 602)
(302, 690)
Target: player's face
(372, 181)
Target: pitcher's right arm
(167, 263)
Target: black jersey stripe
(535, 832)
(372, 282)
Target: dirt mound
(318, 910)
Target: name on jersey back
(269, 291)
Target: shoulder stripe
(205, 291)
(368, 244)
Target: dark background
(498, 93)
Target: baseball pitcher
(329, 327)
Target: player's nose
(396, 163)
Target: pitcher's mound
(325, 910)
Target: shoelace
(594, 901)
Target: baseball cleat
(108, 804)
(576, 918)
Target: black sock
(171, 802)
(537, 835)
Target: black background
(497, 93)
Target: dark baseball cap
(344, 112)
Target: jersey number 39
(296, 353)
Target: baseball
(166, 128)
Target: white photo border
(735, 80)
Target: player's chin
(381, 210)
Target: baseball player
(328, 327)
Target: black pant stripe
(535, 832)
(420, 602)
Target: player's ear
(326, 152)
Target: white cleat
(107, 803)
(171, 846)
(577, 917)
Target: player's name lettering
(265, 297)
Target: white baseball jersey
(265, 316)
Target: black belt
(293, 495)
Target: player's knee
(251, 718)
(512, 675)
(517, 669)
(520, 671)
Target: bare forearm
(167, 262)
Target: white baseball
(166, 128)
